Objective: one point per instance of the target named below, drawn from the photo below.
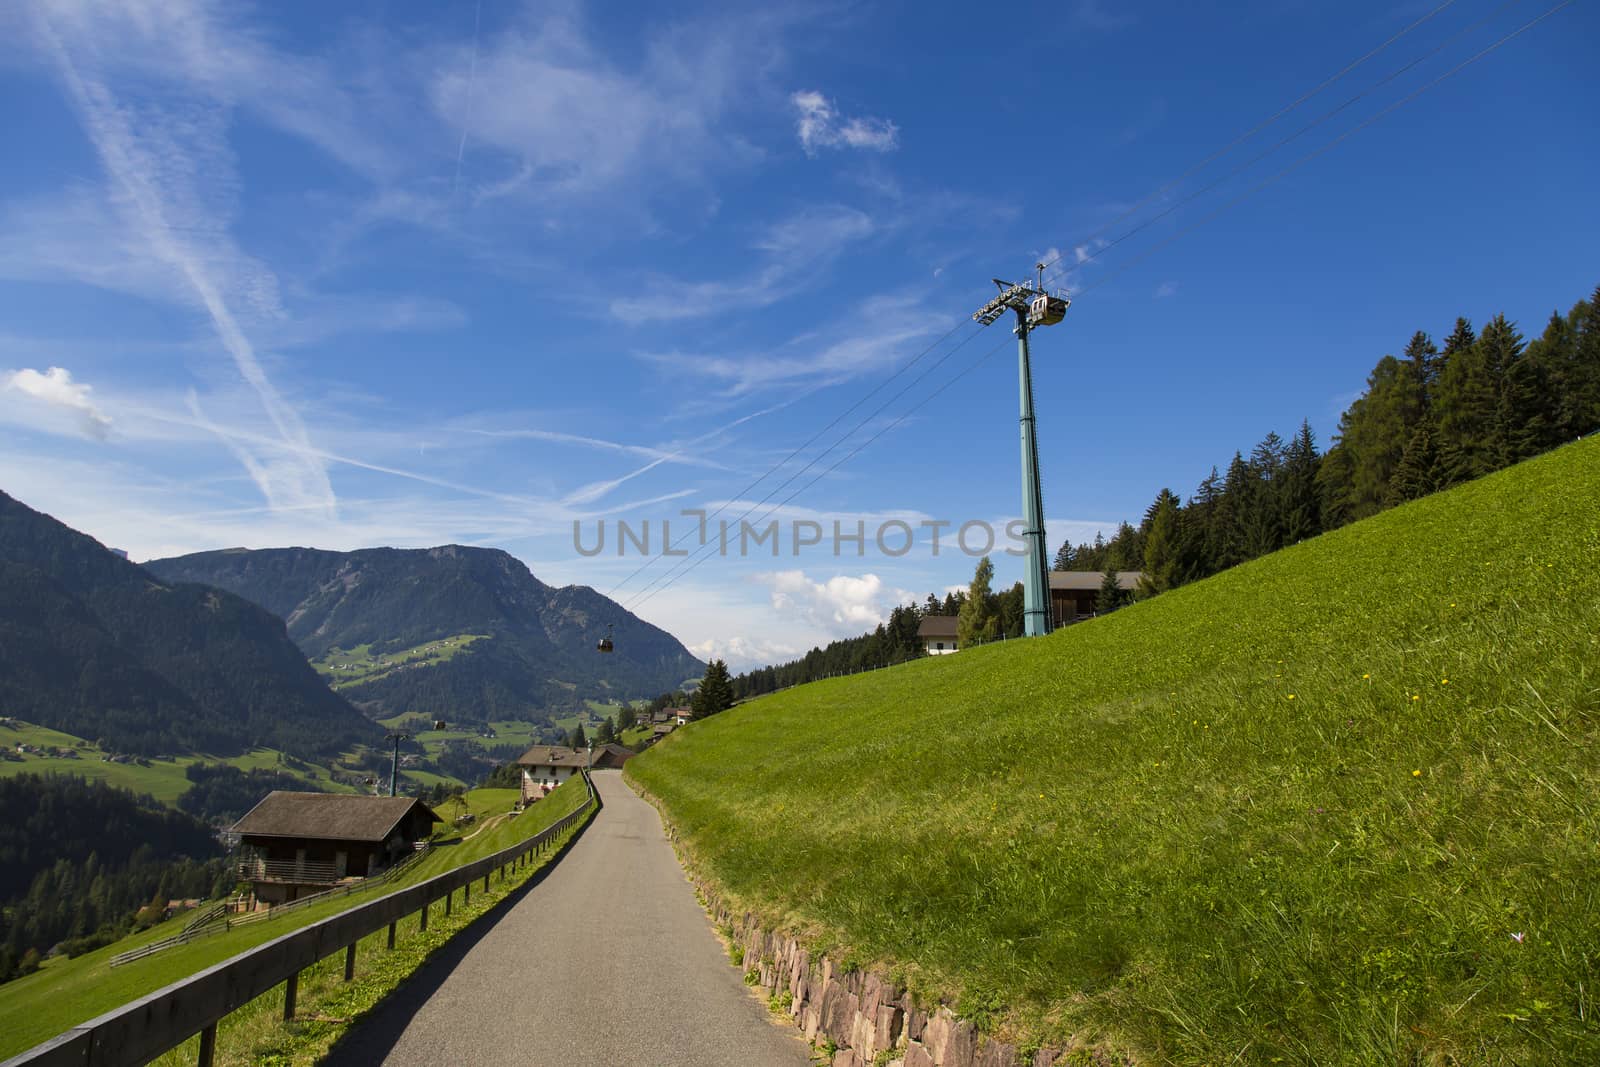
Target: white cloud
(793, 251)
(554, 115)
(1166, 289)
(844, 605)
(56, 387)
(846, 350)
(820, 125)
(744, 653)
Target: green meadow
(1337, 805)
(347, 667)
(161, 778)
(66, 992)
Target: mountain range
(99, 647)
(521, 650)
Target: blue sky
(373, 273)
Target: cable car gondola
(605, 642)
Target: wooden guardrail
(214, 921)
(138, 1032)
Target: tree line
(1429, 419)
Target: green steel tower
(1034, 307)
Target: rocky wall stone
(861, 1013)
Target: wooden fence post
(291, 990)
(449, 899)
(208, 1046)
(350, 962)
(424, 926)
(391, 936)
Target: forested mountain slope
(78, 859)
(1333, 805)
(537, 646)
(98, 647)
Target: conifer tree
(715, 693)
(1238, 491)
(1423, 364)
(1010, 608)
(1126, 550)
(1461, 339)
(1530, 410)
(975, 624)
(1468, 411)
(1109, 597)
(1375, 429)
(1200, 528)
(1418, 473)
(1580, 380)
(1335, 483)
(1299, 510)
(1063, 561)
(1162, 546)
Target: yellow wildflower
(1416, 774)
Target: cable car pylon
(1034, 307)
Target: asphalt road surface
(608, 960)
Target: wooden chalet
(296, 844)
(609, 756)
(1072, 593)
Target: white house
(938, 634)
(546, 766)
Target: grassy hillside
(1333, 806)
(343, 668)
(66, 992)
(162, 776)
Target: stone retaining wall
(862, 1014)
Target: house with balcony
(293, 845)
(546, 766)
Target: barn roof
(328, 816)
(554, 756)
(1088, 581)
(937, 626)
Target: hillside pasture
(160, 777)
(1332, 806)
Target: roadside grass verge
(68, 992)
(256, 1035)
(1336, 805)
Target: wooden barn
(296, 844)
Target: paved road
(609, 960)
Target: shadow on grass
(374, 1035)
